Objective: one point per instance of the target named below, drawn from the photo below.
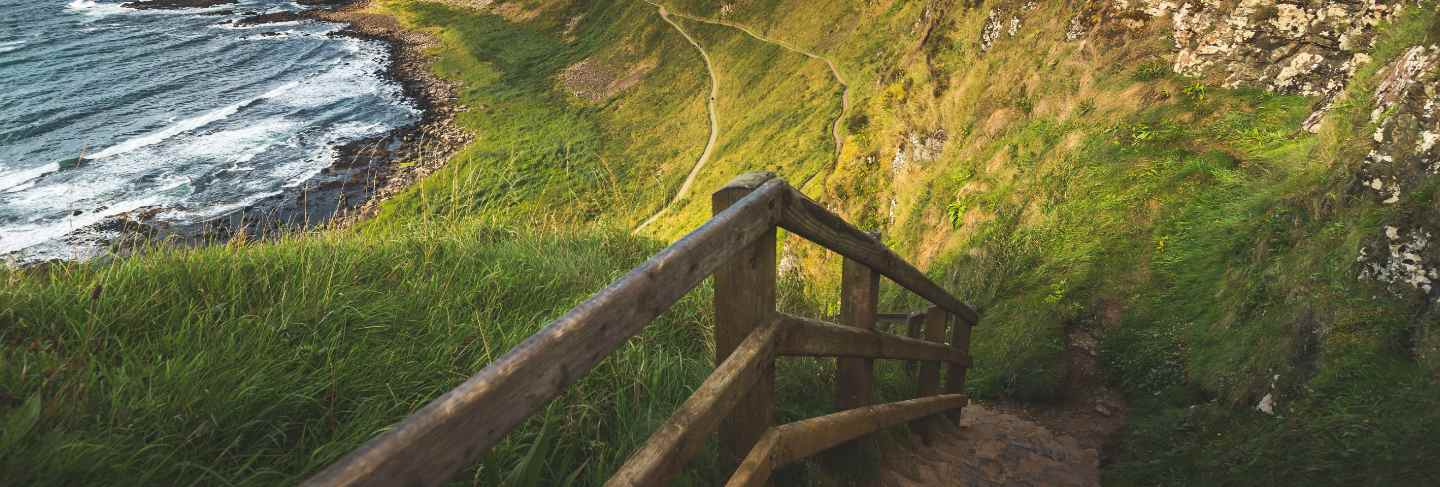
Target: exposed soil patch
(597, 81)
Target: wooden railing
(738, 247)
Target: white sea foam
(21, 237)
(13, 180)
(173, 130)
(11, 46)
(240, 145)
(93, 8)
(356, 78)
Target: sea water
(106, 110)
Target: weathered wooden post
(913, 324)
(935, 319)
(859, 300)
(960, 341)
(744, 300)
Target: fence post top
(748, 181)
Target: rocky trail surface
(989, 448)
(1016, 444)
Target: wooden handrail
(787, 443)
(806, 218)
(665, 453)
(452, 431)
(737, 246)
(815, 338)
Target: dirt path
(834, 71)
(1090, 411)
(714, 121)
(835, 127)
(1019, 444)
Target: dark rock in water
(77, 213)
(324, 3)
(270, 18)
(269, 34)
(72, 163)
(175, 4)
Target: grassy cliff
(1058, 183)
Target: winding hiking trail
(835, 129)
(834, 70)
(714, 121)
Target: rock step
(989, 448)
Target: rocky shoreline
(364, 172)
(427, 145)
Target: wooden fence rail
(738, 247)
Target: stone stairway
(989, 448)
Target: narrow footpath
(1017, 444)
(836, 129)
(714, 121)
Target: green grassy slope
(540, 150)
(256, 364)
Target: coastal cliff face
(1400, 170)
(1314, 49)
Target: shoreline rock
(175, 4)
(428, 145)
(270, 18)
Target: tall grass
(259, 363)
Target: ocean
(179, 114)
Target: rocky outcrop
(917, 148)
(1304, 48)
(270, 18)
(1003, 20)
(1403, 160)
(1293, 47)
(990, 31)
(175, 4)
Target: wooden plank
(744, 299)
(808, 219)
(454, 430)
(935, 333)
(675, 442)
(787, 443)
(913, 324)
(859, 301)
(814, 338)
(892, 316)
